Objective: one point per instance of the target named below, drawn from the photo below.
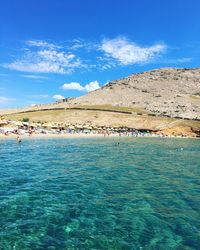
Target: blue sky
(51, 48)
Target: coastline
(82, 135)
(48, 136)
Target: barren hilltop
(166, 92)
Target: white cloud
(178, 60)
(45, 58)
(35, 77)
(41, 43)
(73, 86)
(44, 95)
(92, 86)
(127, 52)
(80, 44)
(38, 96)
(58, 97)
(77, 86)
(106, 63)
(5, 100)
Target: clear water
(96, 194)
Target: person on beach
(6, 133)
(30, 131)
(18, 139)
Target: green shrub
(25, 119)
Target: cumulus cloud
(127, 52)
(77, 86)
(92, 86)
(73, 86)
(58, 97)
(45, 58)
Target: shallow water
(96, 194)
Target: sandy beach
(48, 136)
(80, 135)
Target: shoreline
(82, 135)
(43, 136)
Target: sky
(52, 49)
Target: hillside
(166, 100)
(166, 92)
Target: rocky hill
(170, 92)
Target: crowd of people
(27, 129)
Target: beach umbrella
(55, 126)
(3, 122)
(25, 124)
(86, 130)
(71, 127)
(79, 126)
(62, 125)
(33, 125)
(8, 129)
(44, 125)
(90, 128)
(85, 126)
(18, 123)
(47, 125)
(95, 128)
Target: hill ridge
(174, 92)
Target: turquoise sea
(121, 193)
